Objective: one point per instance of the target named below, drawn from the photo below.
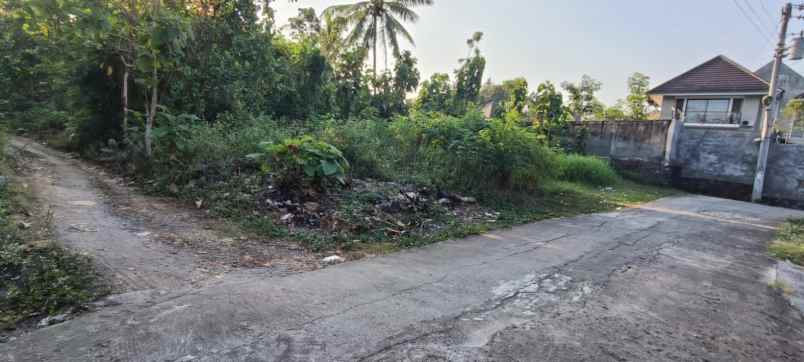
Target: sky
(561, 40)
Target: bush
(789, 244)
(586, 169)
(367, 144)
(305, 161)
(497, 155)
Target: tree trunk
(149, 124)
(375, 48)
(124, 99)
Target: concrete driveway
(683, 278)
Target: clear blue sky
(560, 40)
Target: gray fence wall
(726, 156)
(784, 177)
(626, 140)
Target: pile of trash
(368, 205)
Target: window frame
(741, 122)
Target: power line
(753, 23)
(760, 19)
(768, 14)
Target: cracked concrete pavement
(682, 278)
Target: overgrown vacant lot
(293, 131)
(370, 186)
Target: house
(707, 138)
(721, 93)
(716, 94)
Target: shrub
(367, 144)
(499, 155)
(586, 169)
(790, 242)
(305, 161)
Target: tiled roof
(717, 75)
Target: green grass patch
(789, 243)
(586, 169)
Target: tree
(517, 90)
(306, 25)
(435, 94)
(406, 75)
(390, 89)
(469, 77)
(617, 112)
(637, 100)
(329, 38)
(581, 97)
(375, 23)
(351, 91)
(547, 110)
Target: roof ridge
(683, 74)
(719, 57)
(744, 69)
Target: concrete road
(684, 278)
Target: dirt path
(142, 242)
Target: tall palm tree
(375, 21)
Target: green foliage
(305, 161)
(366, 144)
(617, 112)
(586, 169)
(637, 100)
(375, 23)
(789, 244)
(517, 90)
(511, 155)
(548, 113)
(581, 100)
(435, 94)
(469, 77)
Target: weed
(586, 169)
(789, 243)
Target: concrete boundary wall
(715, 157)
(626, 140)
(784, 177)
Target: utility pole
(765, 140)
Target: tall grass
(586, 169)
(789, 244)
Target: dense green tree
(517, 90)
(391, 89)
(377, 23)
(305, 25)
(547, 111)
(637, 100)
(616, 112)
(581, 100)
(435, 94)
(351, 88)
(469, 77)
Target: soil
(143, 242)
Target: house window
(714, 111)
